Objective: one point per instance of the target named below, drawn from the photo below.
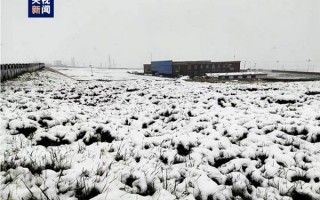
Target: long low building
(190, 68)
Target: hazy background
(133, 31)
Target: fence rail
(9, 71)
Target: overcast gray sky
(255, 31)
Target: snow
(153, 138)
(104, 74)
(234, 74)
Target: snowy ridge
(233, 74)
(158, 139)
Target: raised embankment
(9, 71)
(296, 72)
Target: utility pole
(91, 70)
(277, 64)
(308, 63)
(110, 61)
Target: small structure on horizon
(190, 68)
(91, 70)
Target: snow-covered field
(284, 76)
(158, 139)
(103, 74)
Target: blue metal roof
(162, 67)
